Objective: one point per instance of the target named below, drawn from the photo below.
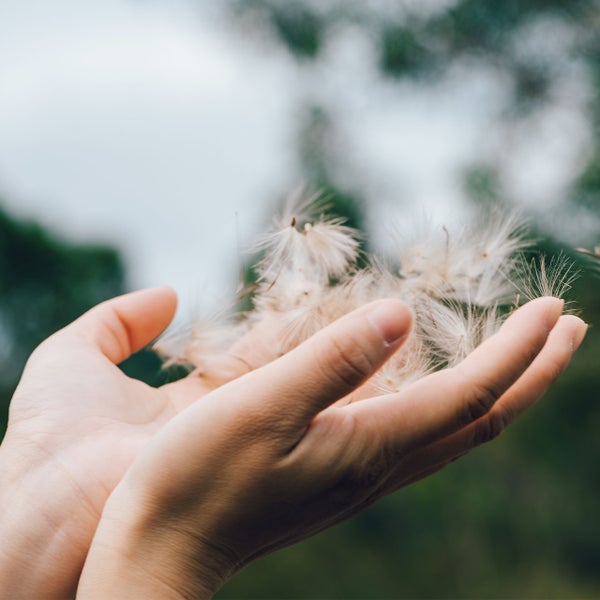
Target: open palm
(81, 421)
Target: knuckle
(479, 400)
(359, 480)
(346, 360)
(490, 428)
(363, 475)
(117, 332)
(360, 467)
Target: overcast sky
(141, 126)
(153, 126)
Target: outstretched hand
(284, 451)
(76, 424)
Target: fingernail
(554, 313)
(578, 337)
(392, 319)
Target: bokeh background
(148, 141)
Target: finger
(256, 348)
(563, 341)
(447, 401)
(327, 366)
(123, 325)
(556, 355)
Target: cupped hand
(76, 424)
(274, 457)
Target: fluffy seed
(459, 284)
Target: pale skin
(170, 491)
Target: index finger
(329, 365)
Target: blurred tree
(535, 46)
(45, 283)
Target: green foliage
(402, 52)
(299, 28)
(488, 26)
(294, 24)
(482, 185)
(45, 283)
(587, 192)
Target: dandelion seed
(209, 340)
(459, 284)
(319, 251)
(203, 346)
(595, 253)
(593, 257)
(412, 362)
(546, 278)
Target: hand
(270, 459)
(76, 424)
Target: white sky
(143, 127)
(153, 126)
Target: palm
(82, 421)
(82, 416)
(99, 418)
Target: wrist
(42, 548)
(139, 552)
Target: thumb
(326, 367)
(123, 325)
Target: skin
(278, 455)
(182, 486)
(76, 424)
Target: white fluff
(543, 278)
(315, 252)
(460, 286)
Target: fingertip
(154, 308)
(553, 309)
(391, 318)
(168, 296)
(160, 301)
(577, 330)
(125, 324)
(547, 308)
(165, 293)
